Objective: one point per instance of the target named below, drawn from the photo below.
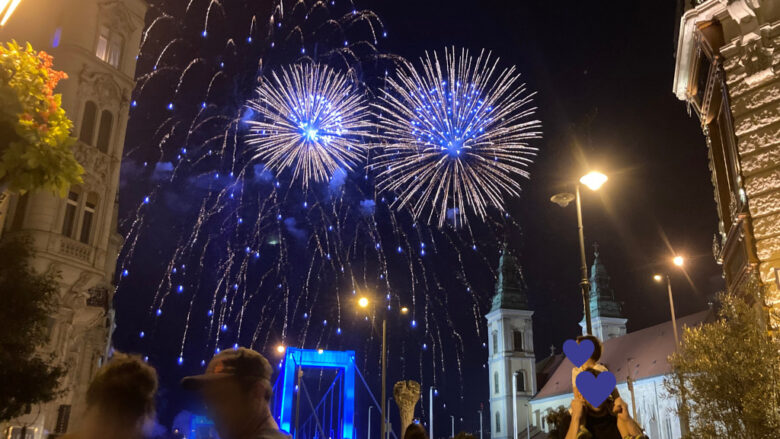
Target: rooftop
(644, 352)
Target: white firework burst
(311, 119)
(454, 136)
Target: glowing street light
(281, 348)
(678, 261)
(404, 310)
(7, 7)
(658, 277)
(363, 302)
(593, 180)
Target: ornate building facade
(728, 71)
(96, 43)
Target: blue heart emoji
(578, 354)
(595, 389)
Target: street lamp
(593, 180)
(281, 348)
(678, 261)
(363, 302)
(7, 7)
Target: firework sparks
(309, 119)
(455, 136)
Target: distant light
(414, 323)
(224, 328)
(159, 312)
(170, 105)
(320, 351)
(180, 360)
(338, 331)
(134, 104)
(180, 288)
(678, 261)
(281, 348)
(146, 200)
(658, 277)
(404, 310)
(593, 180)
(141, 334)
(204, 33)
(363, 302)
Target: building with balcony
(728, 72)
(96, 43)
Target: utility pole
(480, 423)
(430, 416)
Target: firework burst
(310, 119)
(455, 136)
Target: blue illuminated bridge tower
(333, 416)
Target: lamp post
(363, 302)
(679, 261)
(514, 403)
(430, 410)
(480, 423)
(593, 180)
(368, 436)
(452, 428)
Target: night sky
(603, 73)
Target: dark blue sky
(603, 73)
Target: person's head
(605, 406)
(120, 399)
(597, 347)
(236, 389)
(415, 431)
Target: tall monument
(511, 360)
(96, 43)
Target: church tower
(96, 43)
(606, 314)
(511, 359)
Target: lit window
(71, 207)
(109, 46)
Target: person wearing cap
(236, 389)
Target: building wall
(505, 358)
(86, 255)
(742, 38)
(655, 408)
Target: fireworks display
(250, 205)
(455, 136)
(309, 118)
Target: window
(104, 132)
(88, 123)
(495, 382)
(518, 339)
(498, 422)
(109, 46)
(88, 217)
(520, 380)
(71, 207)
(21, 211)
(495, 342)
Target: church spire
(602, 297)
(510, 287)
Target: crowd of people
(236, 391)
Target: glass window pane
(104, 132)
(88, 123)
(86, 226)
(115, 51)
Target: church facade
(638, 359)
(96, 43)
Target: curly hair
(124, 387)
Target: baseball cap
(231, 363)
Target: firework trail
(455, 136)
(228, 240)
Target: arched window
(520, 380)
(517, 337)
(495, 382)
(498, 422)
(495, 342)
(104, 132)
(88, 218)
(71, 210)
(87, 132)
